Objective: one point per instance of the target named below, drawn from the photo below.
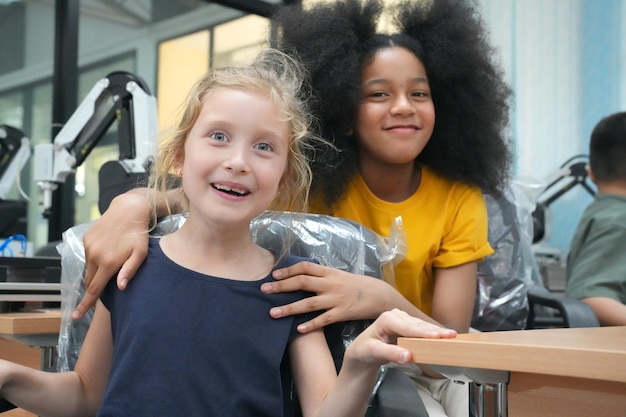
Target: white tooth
(226, 188)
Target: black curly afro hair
(335, 41)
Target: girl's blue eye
(219, 136)
(264, 146)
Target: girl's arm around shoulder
(65, 394)
(322, 394)
(117, 243)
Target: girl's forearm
(45, 393)
(350, 394)
(151, 199)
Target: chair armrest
(574, 313)
(397, 396)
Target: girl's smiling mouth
(230, 190)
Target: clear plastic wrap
(505, 276)
(335, 242)
(72, 332)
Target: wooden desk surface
(595, 353)
(37, 321)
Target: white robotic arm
(120, 96)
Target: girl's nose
(402, 106)
(236, 161)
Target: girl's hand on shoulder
(340, 295)
(117, 241)
(376, 345)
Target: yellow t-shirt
(445, 224)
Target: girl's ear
(281, 186)
(179, 161)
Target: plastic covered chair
(335, 242)
(510, 292)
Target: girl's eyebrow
(374, 81)
(269, 134)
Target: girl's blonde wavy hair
(285, 82)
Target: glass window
(185, 59)
(239, 40)
(181, 62)
(12, 33)
(40, 127)
(41, 114)
(12, 109)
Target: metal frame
(64, 101)
(258, 7)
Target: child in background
(596, 266)
(191, 335)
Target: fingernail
(277, 274)
(266, 287)
(276, 312)
(404, 357)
